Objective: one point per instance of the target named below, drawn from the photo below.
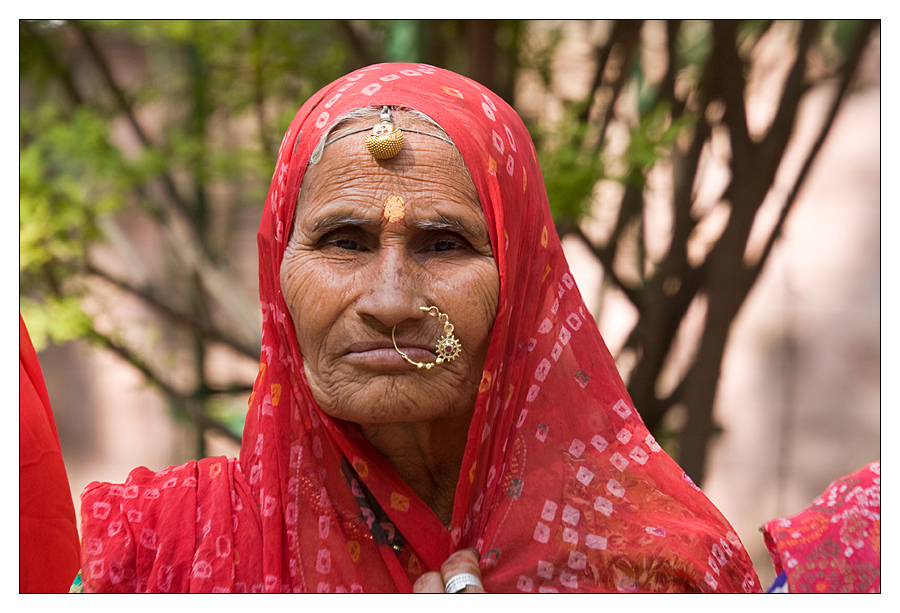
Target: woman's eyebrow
(339, 220)
(443, 223)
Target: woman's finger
(429, 583)
(464, 561)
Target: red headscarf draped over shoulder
(562, 488)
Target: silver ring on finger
(458, 583)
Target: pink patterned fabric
(562, 487)
(834, 544)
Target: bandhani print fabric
(834, 544)
(562, 488)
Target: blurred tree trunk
(481, 35)
(678, 130)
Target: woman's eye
(446, 245)
(346, 243)
(343, 241)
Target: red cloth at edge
(48, 537)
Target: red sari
(48, 537)
(562, 488)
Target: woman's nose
(390, 295)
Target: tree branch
(56, 63)
(363, 57)
(175, 216)
(630, 33)
(774, 143)
(125, 106)
(193, 408)
(603, 256)
(259, 96)
(728, 82)
(624, 31)
(848, 71)
(121, 99)
(175, 315)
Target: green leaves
(573, 165)
(651, 141)
(56, 319)
(570, 171)
(68, 175)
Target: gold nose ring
(448, 346)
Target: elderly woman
(435, 409)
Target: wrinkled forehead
(427, 171)
(427, 164)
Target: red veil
(562, 488)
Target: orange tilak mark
(394, 209)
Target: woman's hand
(463, 561)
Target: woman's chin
(387, 397)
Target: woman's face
(373, 241)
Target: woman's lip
(405, 346)
(376, 354)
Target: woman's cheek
(305, 295)
(483, 294)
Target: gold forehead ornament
(385, 140)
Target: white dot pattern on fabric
(576, 448)
(584, 476)
(549, 512)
